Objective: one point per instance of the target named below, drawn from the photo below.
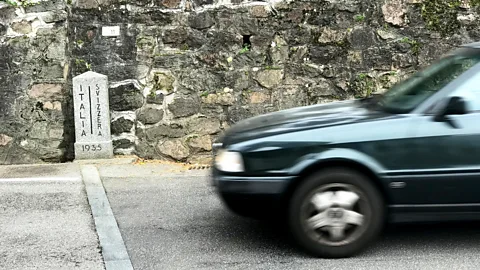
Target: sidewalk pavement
(57, 216)
(45, 219)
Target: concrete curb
(114, 251)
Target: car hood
(301, 118)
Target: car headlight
(227, 161)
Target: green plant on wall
(387, 80)
(143, 42)
(366, 84)
(205, 93)
(245, 49)
(359, 18)
(79, 43)
(414, 45)
(441, 15)
(152, 94)
(185, 47)
(82, 65)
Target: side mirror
(455, 106)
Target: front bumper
(252, 185)
(247, 185)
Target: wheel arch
(339, 163)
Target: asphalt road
(174, 220)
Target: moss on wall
(441, 15)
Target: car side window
(470, 91)
(473, 100)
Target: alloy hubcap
(333, 214)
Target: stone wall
(182, 71)
(33, 76)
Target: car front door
(447, 153)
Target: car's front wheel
(336, 213)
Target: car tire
(330, 230)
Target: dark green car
(339, 171)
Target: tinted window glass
(407, 95)
(470, 91)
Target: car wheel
(336, 213)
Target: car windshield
(410, 93)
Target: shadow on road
(405, 239)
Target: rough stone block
(174, 149)
(195, 39)
(145, 150)
(403, 60)
(155, 98)
(54, 16)
(55, 133)
(150, 115)
(202, 2)
(201, 21)
(43, 6)
(394, 12)
(325, 54)
(175, 36)
(126, 96)
(171, 3)
(269, 78)
(184, 106)
(377, 58)
(173, 131)
(260, 11)
(7, 13)
(202, 143)
(46, 92)
(201, 80)
(221, 99)
(123, 143)
(3, 29)
(201, 159)
(212, 110)
(329, 35)
(39, 130)
(5, 139)
(204, 126)
(47, 70)
(362, 38)
(121, 125)
(87, 4)
(56, 105)
(161, 80)
(258, 98)
(22, 27)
